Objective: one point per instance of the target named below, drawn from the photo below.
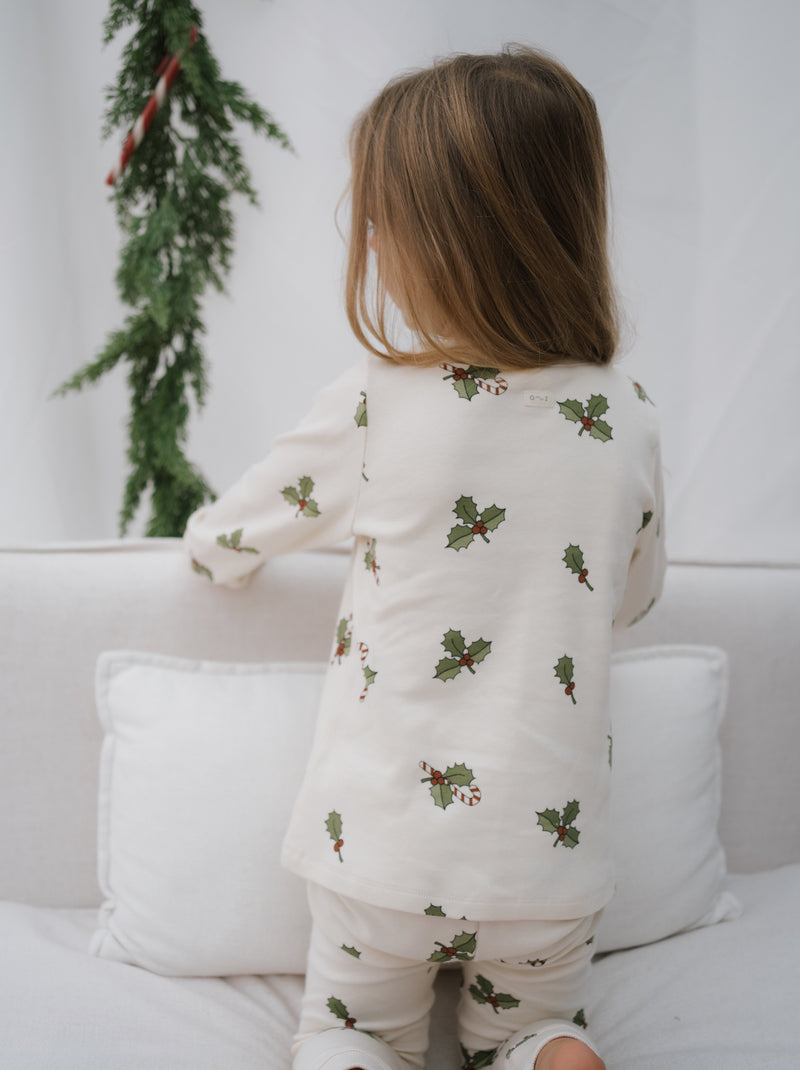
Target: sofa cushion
(721, 996)
(201, 761)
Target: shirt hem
(358, 887)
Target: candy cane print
(142, 124)
(369, 674)
(501, 387)
(437, 777)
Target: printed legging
(369, 986)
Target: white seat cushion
(719, 997)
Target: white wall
(699, 105)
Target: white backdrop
(699, 105)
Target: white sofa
(721, 996)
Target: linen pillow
(198, 771)
(666, 703)
(201, 762)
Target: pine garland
(173, 205)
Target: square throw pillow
(200, 766)
(666, 706)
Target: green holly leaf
(486, 987)
(434, 912)
(548, 819)
(571, 811)
(459, 775)
(580, 1019)
(504, 1002)
(482, 373)
(478, 650)
(442, 795)
(335, 1006)
(564, 669)
(361, 411)
(573, 556)
(646, 518)
(341, 631)
(597, 406)
(466, 510)
(334, 825)
(447, 669)
(291, 495)
(310, 508)
(572, 409)
(641, 393)
(573, 559)
(600, 429)
(460, 537)
(465, 388)
(369, 675)
(233, 542)
(493, 517)
(453, 643)
(351, 951)
(201, 570)
(465, 944)
(306, 485)
(478, 1060)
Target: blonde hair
(485, 180)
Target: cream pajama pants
(369, 986)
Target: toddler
(500, 478)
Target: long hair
(484, 178)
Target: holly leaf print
(369, 560)
(201, 570)
(301, 497)
(561, 826)
(434, 912)
(462, 949)
(565, 669)
(580, 1019)
(351, 951)
(234, 542)
(641, 393)
(334, 826)
(475, 523)
(483, 992)
(464, 657)
(344, 640)
(441, 793)
(573, 559)
(466, 388)
(572, 409)
(361, 411)
(459, 775)
(646, 518)
(588, 418)
(478, 1060)
(335, 1006)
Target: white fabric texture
(723, 997)
(501, 528)
(197, 774)
(201, 762)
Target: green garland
(172, 203)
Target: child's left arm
(302, 495)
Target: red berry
(302, 503)
(338, 845)
(350, 1023)
(561, 831)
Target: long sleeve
(649, 561)
(302, 495)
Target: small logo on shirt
(537, 399)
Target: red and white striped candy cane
(364, 654)
(134, 140)
(501, 387)
(470, 800)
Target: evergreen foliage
(173, 205)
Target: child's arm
(649, 560)
(303, 495)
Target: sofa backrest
(61, 606)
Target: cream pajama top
(502, 523)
